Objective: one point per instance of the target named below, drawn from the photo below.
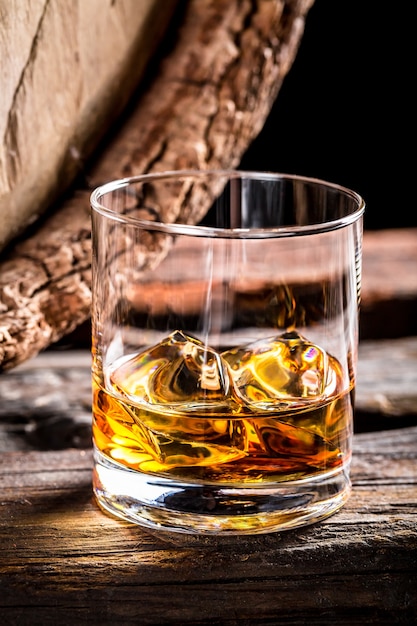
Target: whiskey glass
(224, 338)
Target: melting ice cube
(283, 370)
(180, 370)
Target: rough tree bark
(208, 100)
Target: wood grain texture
(64, 561)
(69, 70)
(389, 284)
(207, 101)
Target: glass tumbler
(224, 338)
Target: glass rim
(178, 228)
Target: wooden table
(63, 561)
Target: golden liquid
(253, 416)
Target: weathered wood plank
(387, 376)
(63, 560)
(389, 284)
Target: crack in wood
(10, 140)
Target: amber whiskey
(272, 411)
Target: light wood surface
(68, 70)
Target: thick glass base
(179, 507)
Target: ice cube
(180, 371)
(285, 371)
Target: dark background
(344, 112)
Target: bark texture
(208, 100)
